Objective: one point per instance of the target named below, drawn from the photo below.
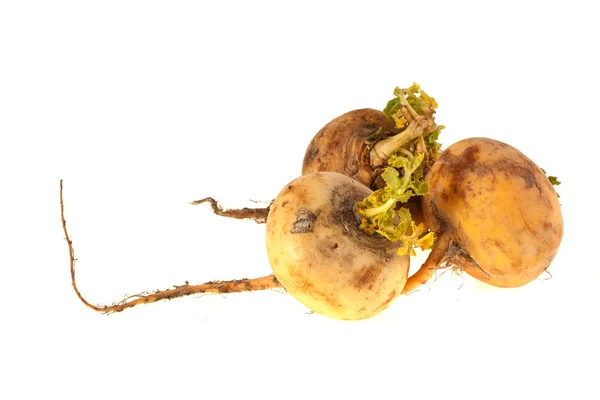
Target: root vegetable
(342, 145)
(359, 143)
(321, 257)
(494, 210)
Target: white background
(143, 106)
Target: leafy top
(378, 211)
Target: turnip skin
(321, 257)
(499, 206)
(341, 145)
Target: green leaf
(554, 180)
(378, 211)
(420, 188)
(391, 107)
(431, 140)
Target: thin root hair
(548, 277)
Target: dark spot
(223, 289)
(284, 203)
(471, 154)
(367, 276)
(290, 187)
(324, 248)
(311, 153)
(444, 196)
(335, 246)
(343, 199)
(529, 178)
(467, 190)
(348, 259)
(305, 220)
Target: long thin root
(221, 287)
(232, 286)
(259, 215)
(433, 263)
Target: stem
(236, 285)
(407, 106)
(386, 147)
(406, 178)
(407, 153)
(430, 265)
(370, 212)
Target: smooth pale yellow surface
(321, 257)
(502, 207)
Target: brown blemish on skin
(444, 196)
(348, 258)
(366, 277)
(529, 179)
(311, 153)
(305, 220)
(300, 283)
(522, 168)
(326, 248)
(504, 249)
(455, 170)
(471, 154)
(387, 301)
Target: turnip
(360, 142)
(495, 212)
(321, 256)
